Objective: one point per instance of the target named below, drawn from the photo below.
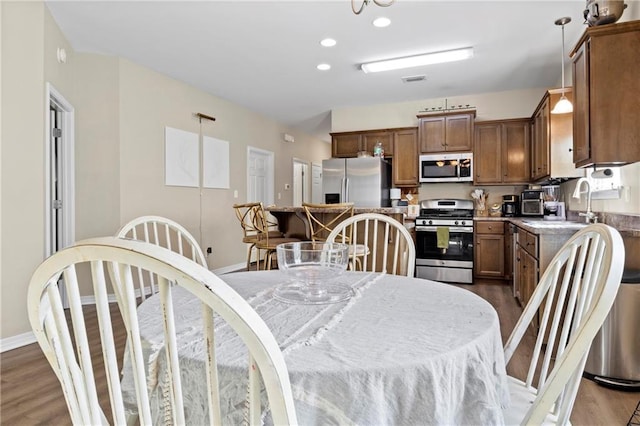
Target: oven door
(460, 244)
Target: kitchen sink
(554, 224)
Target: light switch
(235, 193)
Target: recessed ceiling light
(381, 22)
(324, 67)
(328, 42)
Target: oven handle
(464, 229)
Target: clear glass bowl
(312, 269)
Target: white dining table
(401, 351)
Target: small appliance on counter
(553, 209)
(510, 205)
(532, 203)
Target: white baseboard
(18, 341)
(24, 339)
(230, 268)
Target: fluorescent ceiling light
(418, 60)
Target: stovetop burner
(446, 208)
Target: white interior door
(300, 182)
(260, 175)
(59, 174)
(316, 183)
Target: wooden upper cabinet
(501, 152)
(446, 132)
(405, 157)
(540, 141)
(606, 127)
(371, 139)
(552, 140)
(346, 144)
(487, 153)
(516, 144)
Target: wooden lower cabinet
(489, 256)
(527, 266)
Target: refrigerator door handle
(346, 190)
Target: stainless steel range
(444, 241)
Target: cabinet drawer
(490, 227)
(530, 243)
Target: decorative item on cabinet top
(447, 107)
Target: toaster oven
(532, 203)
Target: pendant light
(564, 105)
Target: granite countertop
(539, 226)
(357, 210)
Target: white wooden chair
(391, 248)
(165, 233)
(569, 305)
(66, 346)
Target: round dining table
(400, 351)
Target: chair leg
(251, 247)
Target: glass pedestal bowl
(312, 269)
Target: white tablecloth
(402, 351)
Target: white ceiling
(263, 54)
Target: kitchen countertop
(357, 210)
(540, 226)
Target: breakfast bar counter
(292, 221)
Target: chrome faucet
(589, 216)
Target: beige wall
(150, 101)
(121, 110)
(22, 157)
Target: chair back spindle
(391, 248)
(162, 232)
(566, 310)
(112, 262)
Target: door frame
(305, 182)
(54, 99)
(270, 196)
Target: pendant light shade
(564, 105)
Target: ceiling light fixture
(564, 105)
(324, 67)
(418, 60)
(328, 42)
(381, 22)
(366, 2)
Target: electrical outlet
(209, 250)
(279, 196)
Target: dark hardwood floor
(31, 395)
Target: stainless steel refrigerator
(362, 181)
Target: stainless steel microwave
(454, 167)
